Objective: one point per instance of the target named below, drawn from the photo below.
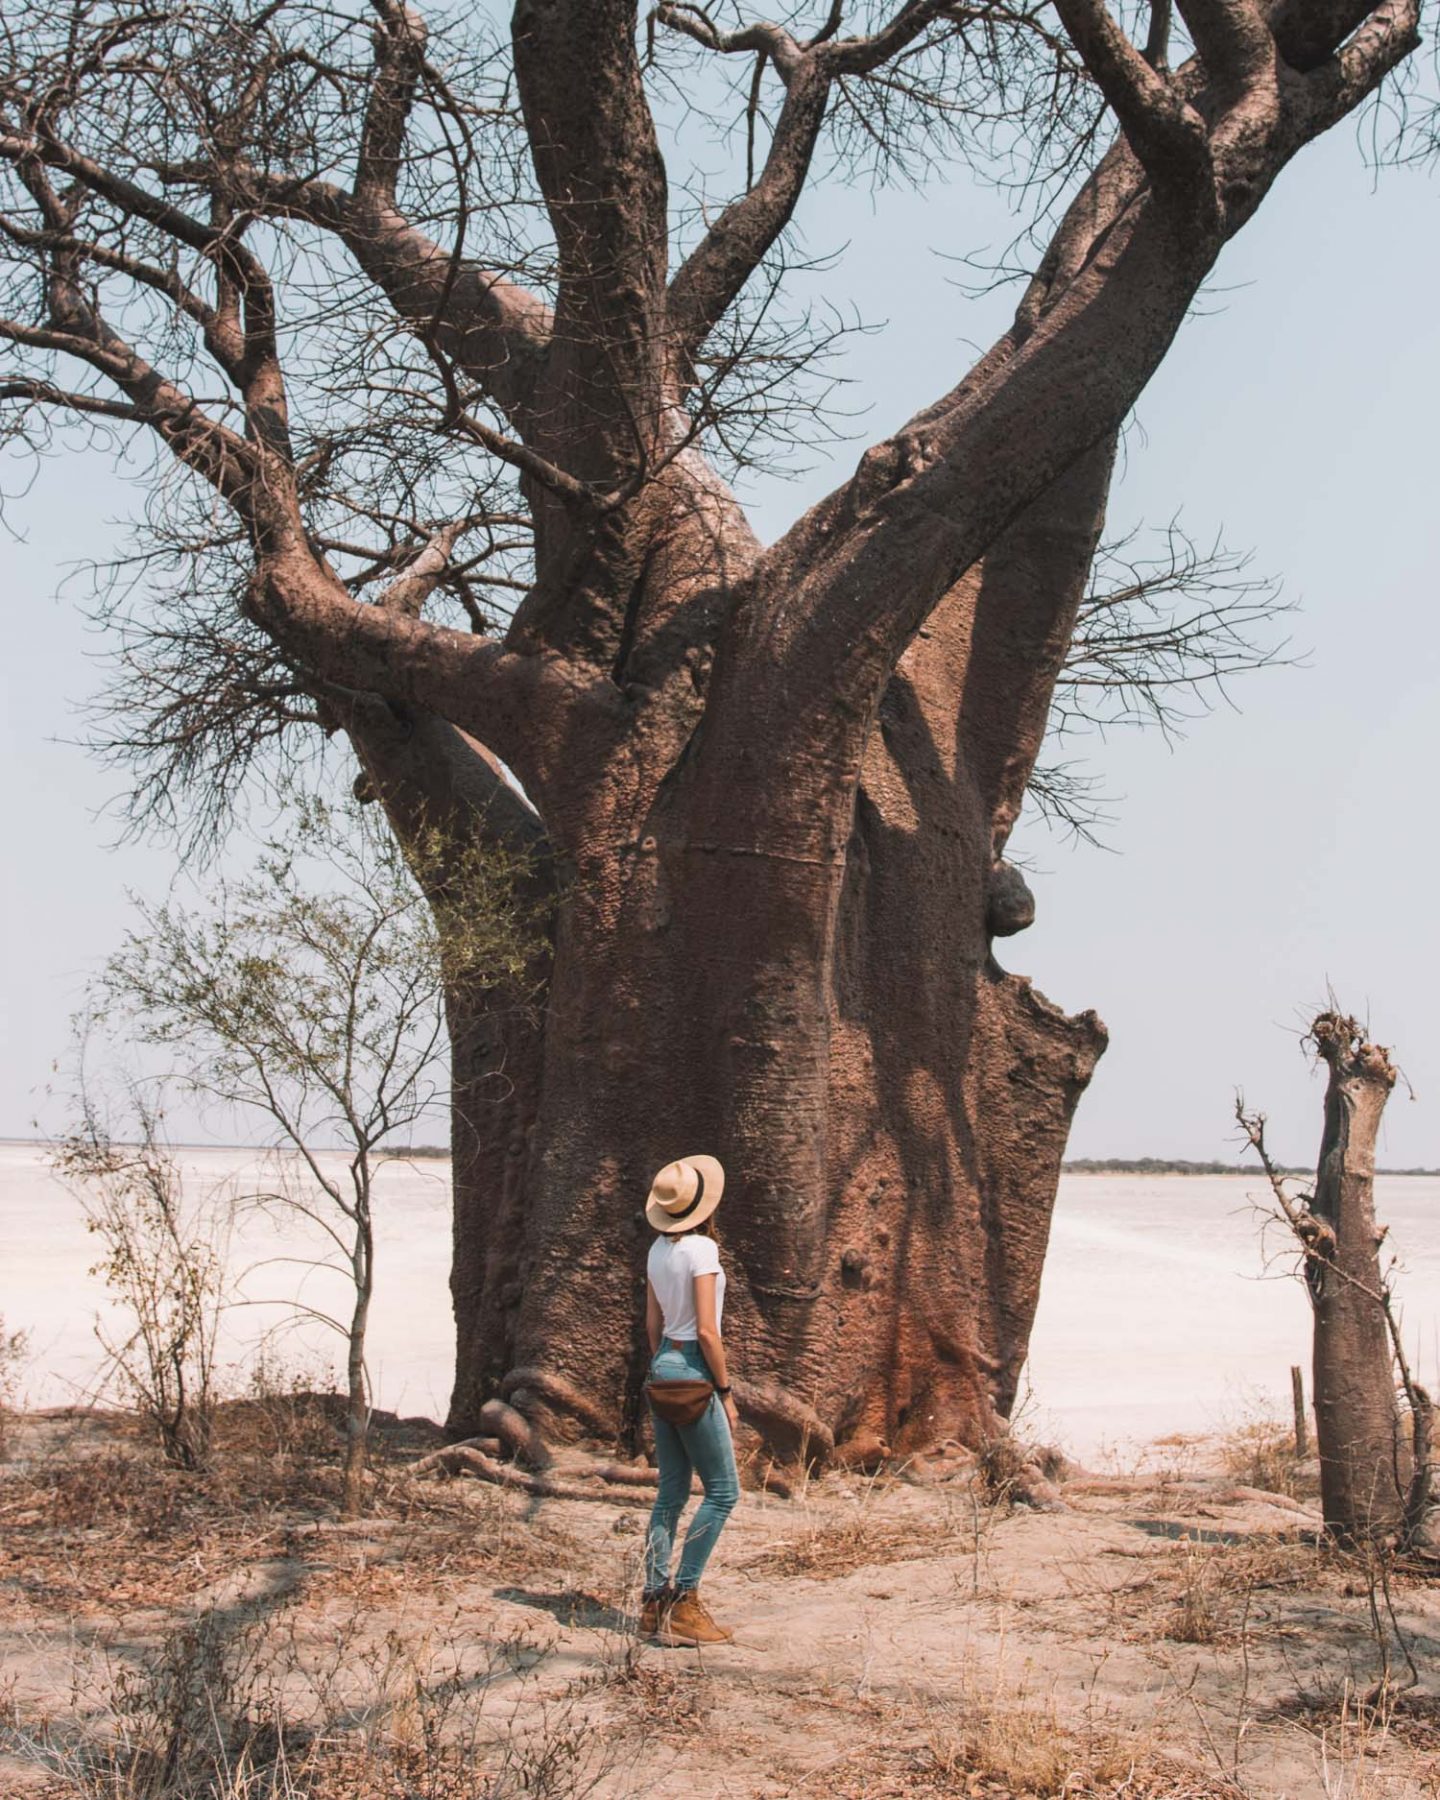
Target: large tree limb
(601, 174)
(474, 682)
(1232, 38)
(1029, 588)
(1122, 274)
(1308, 31)
(1334, 88)
(734, 245)
(399, 37)
(1164, 130)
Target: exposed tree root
(516, 1433)
(791, 1430)
(523, 1387)
(456, 1459)
(442, 1458)
(626, 1475)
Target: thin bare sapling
(309, 995)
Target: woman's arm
(707, 1330)
(654, 1318)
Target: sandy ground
(1169, 1632)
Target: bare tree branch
(707, 283)
(226, 461)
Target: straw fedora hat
(685, 1193)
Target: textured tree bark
(891, 1109)
(794, 970)
(1365, 1460)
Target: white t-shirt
(673, 1264)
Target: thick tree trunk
(791, 967)
(885, 1230)
(1365, 1461)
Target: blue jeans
(704, 1448)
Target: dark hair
(706, 1228)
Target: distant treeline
(1161, 1165)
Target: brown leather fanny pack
(679, 1402)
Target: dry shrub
(1260, 1453)
(1026, 1750)
(162, 1256)
(1200, 1613)
(119, 1491)
(1352, 1734)
(1010, 1469)
(286, 1408)
(14, 1349)
(1001, 1466)
(1014, 1750)
(1203, 1593)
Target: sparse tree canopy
(446, 351)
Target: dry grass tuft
(657, 1700)
(836, 1541)
(1198, 1614)
(1260, 1453)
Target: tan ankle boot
(689, 1622)
(653, 1610)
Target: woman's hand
(731, 1412)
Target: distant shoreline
(1158, 1165)
(1080, 1165)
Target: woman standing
(684, 1300)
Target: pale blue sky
(1281, 846)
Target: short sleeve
(704, 1254)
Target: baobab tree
(451, 368)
